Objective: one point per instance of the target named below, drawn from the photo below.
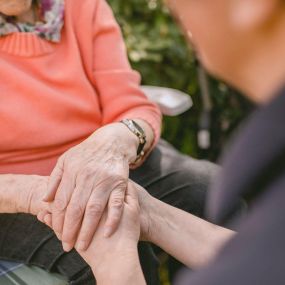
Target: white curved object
(172, 102)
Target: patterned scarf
(51, 14)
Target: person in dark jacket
(243, 42)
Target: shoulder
(77, 7)
(85, 8)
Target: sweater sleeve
(117, 84)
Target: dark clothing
(254, 169)
(169, 176)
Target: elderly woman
(71, 108)
(242, 42)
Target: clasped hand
(88, 179)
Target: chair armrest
(172, 102)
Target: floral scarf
(51, 14)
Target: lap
(24, 239)
(176, 179)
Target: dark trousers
(173, 178)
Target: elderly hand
(86, 179)
(118, 252)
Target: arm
(94, 174)
(22, 193)
(256, 254)
(188, 238)
(111, 68)
(118, 86)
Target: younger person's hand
(104, 251)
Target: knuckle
(59, 205)
(117, 203)
(72, 165)
(88, 172)
(75, 212)
(95, 209)
(120, 181)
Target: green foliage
(157, 49)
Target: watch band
(136, 129)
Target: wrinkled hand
(87, 178)
(103, 251)
(31, 190)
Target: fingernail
(66, 246)
(107, 232)
(81, 246)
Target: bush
(157, 49)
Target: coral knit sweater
(53, 96)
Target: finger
(74, 216)
(131, 193)
(115, 211)
(60, 203)
(41, 215)
(45, 217)
(48, 220)
(54, 181)
(93, 213)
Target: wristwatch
(137, 130)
